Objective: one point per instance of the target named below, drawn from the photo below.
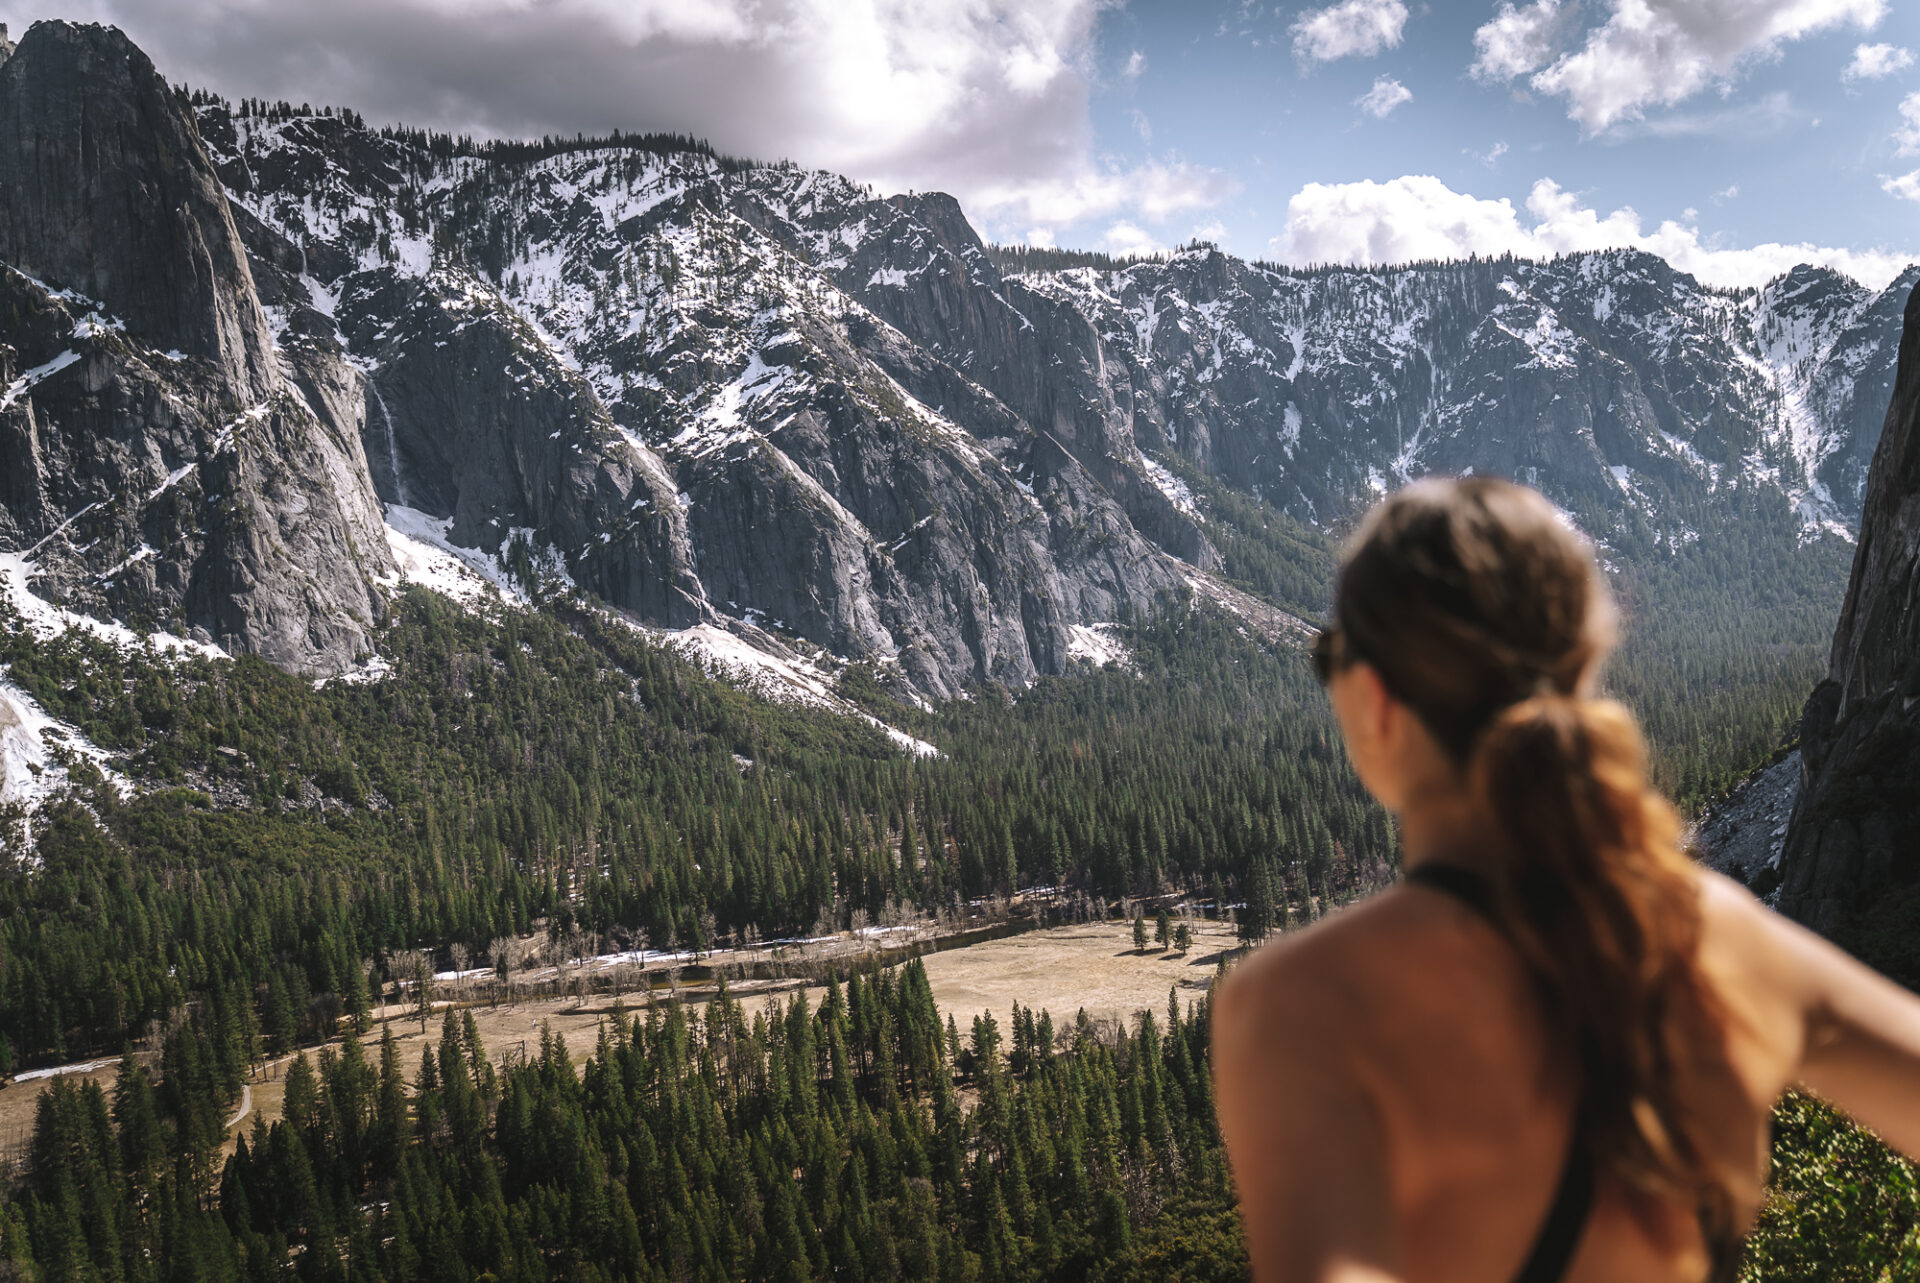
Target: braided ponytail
(1486, 614)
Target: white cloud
(1040, 237)
(1155, 190)
(1136, 63)
(1211, 230)
(1518, 41)
(1126, 238)
(1141, 125)
(1726, 193)
(986, 99)
(1491, 156)
(1870, 62)
(1352, 28)
(1386, 94)
(1907, 137)
(1651, 52)
(1756, 118)
(1420, 217)
(1905, 186)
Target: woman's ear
(1381, 710)
(1374, 725)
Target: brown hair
(1482, 610)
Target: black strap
(1573, 1201)
(1567, 1218)
(1462, 884)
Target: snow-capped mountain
(715, 393)
(1617, 384)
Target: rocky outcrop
(1856, 826)
(109, 193)
(1743, 834)
(472, 417)
(164, 464)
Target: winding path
(246, 1106)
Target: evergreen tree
(1256, 910)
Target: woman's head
(1464, 597)
(1469, 625)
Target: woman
(1552, 1052)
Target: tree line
(860, 1137)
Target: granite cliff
(165, 464)
(1855, 832)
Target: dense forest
(861, 1138)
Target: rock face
(1746, 831)
(471, 417)
(884, 445)
(161, 463)
(648, 378)
(1856, 826)
(108, 193)
(1626, 390)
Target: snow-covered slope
(1614, 382)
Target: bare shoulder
(1320, 983)
(1726, 903)
(1747, 944)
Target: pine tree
(1256, 913)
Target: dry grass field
(1091, 966)
(1064, 969)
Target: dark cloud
(984, 98)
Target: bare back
(1394, 1109)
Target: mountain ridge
(762, 397)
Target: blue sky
(1735, 137)
(1783, 146)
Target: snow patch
(35, 750)
(775, 678)
(1095, 644)
(426, 557)
(374, 669)
(84, 1067)
(46, 620)
(38, 374)
(1172, 487)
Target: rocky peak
(110, 194)
(166, 466)
(1855, 831)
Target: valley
(1089, 967)
(603, 558)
